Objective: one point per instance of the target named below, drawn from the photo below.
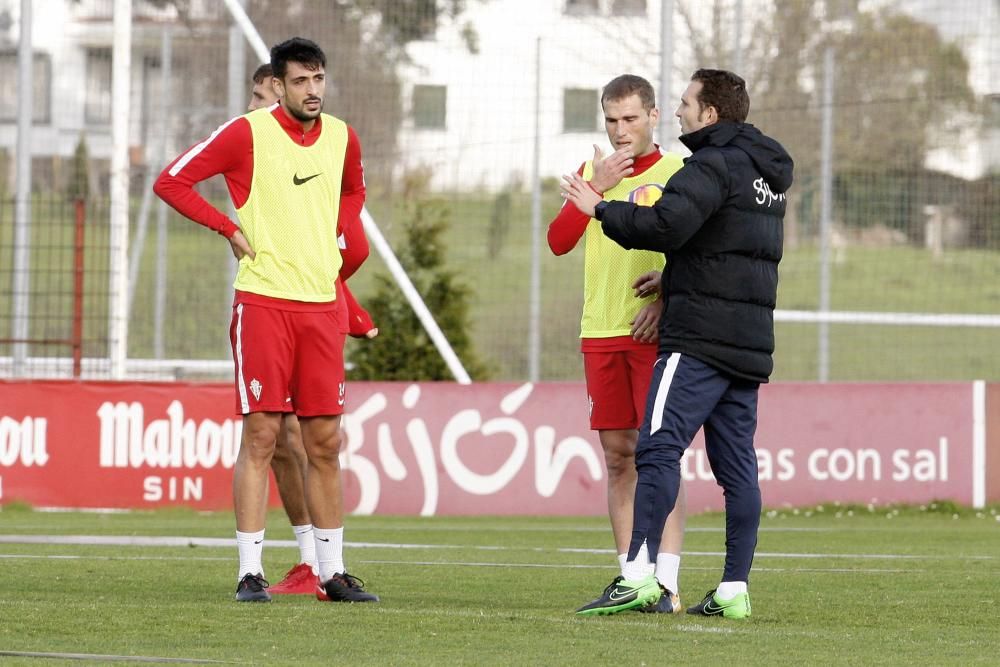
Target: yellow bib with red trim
(609, 304)
(290, 217)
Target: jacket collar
(716, 134)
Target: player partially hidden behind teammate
(289, 462)
(719, 221)
(293, 174)
(618, 328)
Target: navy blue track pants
(686, 394)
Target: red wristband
(591, 186)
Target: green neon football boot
(736, 607)
(622, 594)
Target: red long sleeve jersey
(229, 151)
(567, 228)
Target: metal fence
(890, 109)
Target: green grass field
(831, 585)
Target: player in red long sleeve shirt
(290, 462)
(288, 320)
(618, 330)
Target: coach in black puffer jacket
(719, 222)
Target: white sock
(638, 568)
(667, 566)
(329, 551)
(622, 559)
(727, 590)
(307, 544)
(250, 547)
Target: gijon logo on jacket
(765, 194)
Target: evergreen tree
(403, 350)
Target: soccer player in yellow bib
(296, 179)
(621, 310)
(290, 462)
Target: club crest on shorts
(590, 405)
(255, 388)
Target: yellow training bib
(290, 217)
(609, 304)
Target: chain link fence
(892, 264)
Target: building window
(629, 7)
(430, 104)
(580, 110)
(582, 7)
(41, 75)
(97, 95)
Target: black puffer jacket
(719, 222)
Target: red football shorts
(617, 383)
(287, 358)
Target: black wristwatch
(599, 210)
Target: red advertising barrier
(494, 448)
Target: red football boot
(300, 580)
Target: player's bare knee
(619, 453)
(325, 452)
(259, 440)
(619, 465)
(324, 458)
(259, 449)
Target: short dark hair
(296, 50)
(627, 85)
(263, 72)
(725, 91)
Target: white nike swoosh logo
(710, 608)
(614, 596)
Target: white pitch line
(421, 563)
(130, 541)
(111, 658)
(88, 557)
(687, 568)
(177, 541)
